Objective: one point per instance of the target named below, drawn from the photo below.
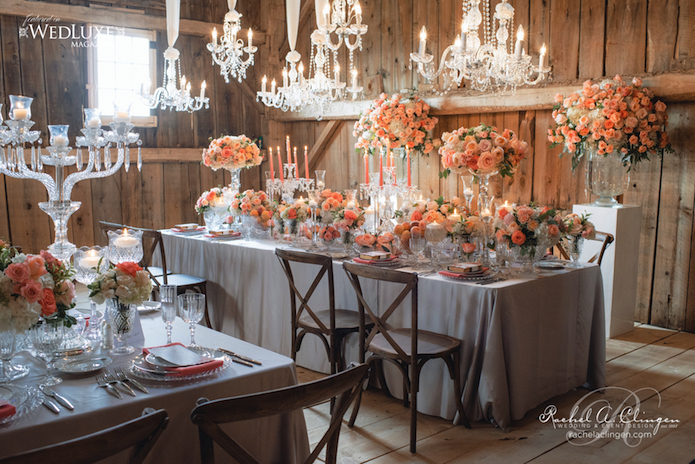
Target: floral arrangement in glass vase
(464, 230)
(396, 122)
(329, 204)
(381, 242)
(126, 282)
(34, 286)
(481, 150)
(611, 117)
(254, 203)
(232, 152)
(210, 199)
(577, 228)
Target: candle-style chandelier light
(228, 54)
(338, 19)
(170, 95)
(487, 65)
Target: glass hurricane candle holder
(320, 179)
(90, 262)
(20, 107)
(92, 118)
(125, 245)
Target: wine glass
(191, 310)
(435, 233)
(418, 242)
(46, 340)
(167, 296)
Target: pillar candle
(366, 168)
(306, 162)
(381, 169)
(407, 155)
(270, 156)
(282, 176)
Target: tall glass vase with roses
(348, 220)
(232, 153)
(122, 288)
(577, 229)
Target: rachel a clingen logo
(47, 27)
(622, 422)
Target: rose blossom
(518, 237)
(31, 291)
(48, 302)
(18, 272)
(487, 161)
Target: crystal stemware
(418, 242)
(191, 310)
(435, 233)
(47, 339)
(125, 245)
(167, 296)
(89, 262)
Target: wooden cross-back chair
(140, 434)
(208, 414)
(151, 242)
(603, 237)
(407, 348)
(331, 325)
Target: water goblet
(167, 296)
(191, 310)
(418, 242)
(435, 233)
(46, 340)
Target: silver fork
(121, 375)
(101, 381)
(113, 380)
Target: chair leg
(414, 387)
(356, 408)
(207, 314)
(406, 401)
(379, 368)
(458, 389)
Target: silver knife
(51, 405)
(59, 398)
(240, 356)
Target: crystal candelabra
(289, 183)
(169, 95)
(490, 65)
(59, 206)
(228, 54)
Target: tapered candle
(282, 176)
(306, 162)
(270, 156)
(366, 168)
(295, 159)
(407, 160)
(289, 152)
(381, 169)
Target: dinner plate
(83, 365)
(383, 263)
(142, 369)
(235, 236)
(159, 362)
(465, 277)
(148, 307)
(550, 265)
(333, 255)
(24, 399)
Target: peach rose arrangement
(613, 117)
(481, 150)
(210, 199)
(254, 203)
(329, 204)
(127, 282)
(34, 286)
(396, 122)
(579, 226)
(231, 153)
(380, 242)
(526, 227)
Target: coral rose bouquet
(396, 122)
(232, 153)
(612, 117)
(579, 226)
(210, 199)
(346, 221)
(329, 204)
(127, 283)
(527, 229)
(34, 286)
(481, 150)
(255, 204)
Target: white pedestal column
(620, 262)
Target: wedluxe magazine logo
(610, 412)
(51, 28)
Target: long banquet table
(524, 340)
(278, 439)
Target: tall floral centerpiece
(122, 287)
(32, 287)
(577, 228)
(232, 153)
(616, 125)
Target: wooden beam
(162, 155)
(669, 87)
(324, 140)
(109, 17)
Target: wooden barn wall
(587, 39)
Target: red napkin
(233, 234)
(174, 229)
(6, 410)
(189, 370)
(375, 261)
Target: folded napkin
(6, 410)
(188, 370)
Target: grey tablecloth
(524, 340)
(277, 439)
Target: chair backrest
(107, 226)
(603, 237)
(355, 271)
(326, 268)
(208, 414)
(139, 434)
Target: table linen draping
(524, 340)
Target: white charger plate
(83, 365)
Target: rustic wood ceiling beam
(110, 17)
(324, 140)
(668, 87)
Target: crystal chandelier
(338, 19)
(491, 65)
(292, 95)
(229, 52)
(169, 95)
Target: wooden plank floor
(657, 364)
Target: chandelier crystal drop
(228, 54)
(489, 65)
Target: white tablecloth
(524, 340)
(278, 439)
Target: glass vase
(122, 317)
(575, 244)
(8, 343)
(528, 256)
(485, 209)
(606, 176)
(235, 184)
(213, 221)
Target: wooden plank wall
(587, 39)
